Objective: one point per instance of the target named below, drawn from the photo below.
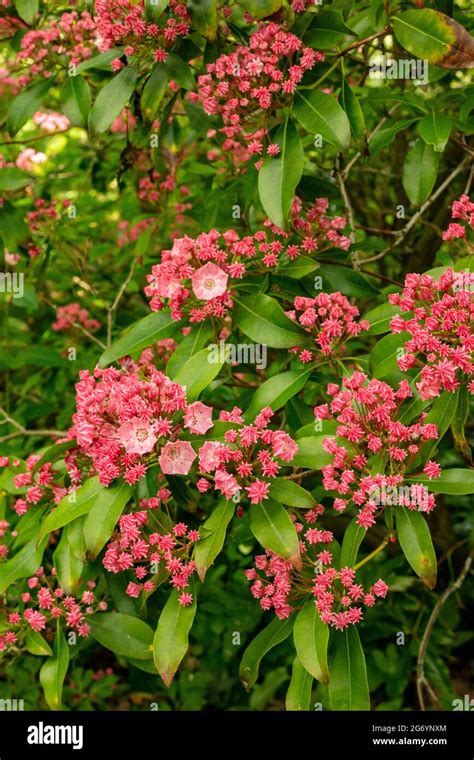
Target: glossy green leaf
(140, 335)
(76, 100)
(213, 533)
(435, 37)
(290, 493)
(347, 280)
(380, 318)
(12, 178)
(455, 481)
(298, 268)
(384, 355)
(420, 170)
(75, 504)
(204, 16)
(298, 696)
(386, 135)
(348, 686)
(53, 671)
(154, 9)
(274, 633)
(123, 634)
(102, 518)
(353, 537)
(154, 91)
(27, 10)
(273, 528)
(21, 565)
(25, 104)
(180, 71)
(321, 114)
(262, 319)
(36, 644)
(352, 107)
(415, 540)
(68, 565)
(260, 8)
(198, 372)
(311, 638)
(171, 639)
(311, 453)
(112, 99)
(328, 31)
(280, 175)
(276, 391)
(435, 129)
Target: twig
(350, 217)
(421, 680)
(21, 430)
(34, 139)
(359, 154)
(406, 229)
(118, 298)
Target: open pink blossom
(137, 436)
(209, 281)
(176, 458)
(198, 417)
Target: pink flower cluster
(244, 86)
(71, 315)
(72, 35)
(462, 209)
(195, 276)
(128, 418)
(366, 414)
(441, 329)
(149, 544)
(247, 460)
(51, 121)
(278, 585)
(43, 604)
(124, 24)
(45, 483)
(330, 319)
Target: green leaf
(76, 100)
(298, 268)
(13, 229)
(100, 61)
(179, 70)
(12, 178)
(274, 530)
(75, 504)
(273, 634)
(347, 280)
(434, 37)
(353, 110)
(415, 540)
(385, 136)
(21, 565)
(290, 493)
(456, 481)
(348, 686)
(353, 537)
(458, 424)
(198, 372)
(321, 114)
(171, 639)
(260, 8)
(140, 335)
(280, 175)
(54, 669)
(154, 91)
(213, 533)
(383, 357)
(262, 319)
(53, 453)
(311, 638)
(420, 170)
(25, 104)
(380, 318)
(204, 16)
(112, 99)
(124, 635)
(27, 10)
(199, 336)
(441, 414)
(327, 31)
(276, 391)
(298, 696)
(154, 9)
(311, 453)
(102, 518)
(435, 129)
(36, 644)
(68, 565)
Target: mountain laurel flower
(198, 418)
(176, 458)
(209, 281)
